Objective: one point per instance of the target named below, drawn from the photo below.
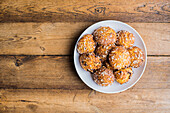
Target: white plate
(115, 87)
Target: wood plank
(53, 72)
(60, 38)
(66, 101)
(86, 10)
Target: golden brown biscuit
(119, 57)
(102, 51)
(123, 75)
(90, 62)
(103, 76)
(105, 36)
(137, 56)
(124, 38)
(86, 44)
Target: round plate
(115, 87)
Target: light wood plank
(69, 101)
(86, 10)
(53, 72)
(60, 38)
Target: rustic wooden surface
(40, 38)
(37, 39)
(34, 71)
(86, 10)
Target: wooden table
(37, 39)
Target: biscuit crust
(122, 76)
(90, 62)
(137, 56)
(86, 44)
(105, 36)
(124, 38)
(119, 57)
(103, 50)
(103, 76)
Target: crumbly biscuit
(90, 62)
(124, 38)
(86, 44)
(137, 56)
(103, 76)
(123, 75)
(105, 36)
(102, 51)
(119, 57)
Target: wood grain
(52, 72)
(37, 39)
(71, 101)
(86, 10)
(60, 38)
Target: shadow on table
(71, 57)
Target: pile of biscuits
(109, 55)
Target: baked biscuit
(105, 36)
(86, 44)
(119, 57)
(137, 56)
(90, 62)
(102, 51)
(124, 38)
(103, 76)
(123, 75)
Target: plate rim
(140, 74)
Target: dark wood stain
(32, 107)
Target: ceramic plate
(115, 87)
